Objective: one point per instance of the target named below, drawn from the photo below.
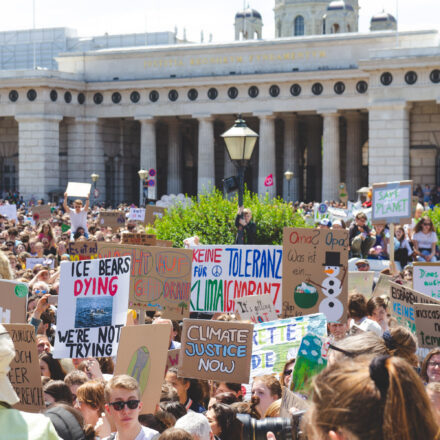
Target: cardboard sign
(160, 278)
(9, 211)
(92, 307)
(427, 318)
(383, 287)
(164, 243)
(151, 212)
(342, 191)
(13, 299)
(137, 214)
(224, 273)
(33, 261)
(291, 400)
(256, 308)
(361, 282)
(82, 250)
(25, 373)
(173, 358)
(216, 350)
(139, 239)
(77, 189)
(401, 304)
(111, 219)
(392, 202)
(315, 272)
(142, 354)
(426, 278)
(41, 213)
(278, 341)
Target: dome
(248, 13)
(382, 16)
(339, 5)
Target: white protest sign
(256, 308)
(33, 261)
(223, 273)
(426, 279)
(137, 214)
(92, 307)
(77, 189)
(9, 211)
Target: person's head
(57, 391)
(357, 306)
(247, 215)
(51, 367)
(175, 434)
(230, 387)
(266, 389)
(77, 205)
(419, 211)
(224, 423)
(364, 399)
(377, 309)
(159, 421)
(196, 425)
(174, 408)
(338, 330)
(325, 223)
(360, 219)
(362, 265)
(43, 344)
(39, 249)
(286, 375)
(226, 398)
(40, 288)
(408, 274)
(400, 233)
(90, 400)
(430, 371)
(61, 248)
(338, 224)
(185, 387)
(122, 397)
(424, 225)
(168, 393)
(74, 380)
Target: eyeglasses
(288, 372)
(37, 291)
(120, 404)
(434, 364)
(426, 224)
(362, 265)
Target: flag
(269, 180)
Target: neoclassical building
(331, 107)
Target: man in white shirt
(78, 216)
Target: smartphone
(53, 299)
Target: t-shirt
(78, 220)
(368, 325)
(144, 434)
(424, 241)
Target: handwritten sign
(221, 274)
(275, 342)
(401, 302)
(256, 308)
(41, 213)
(361, 282)
(427, 318)
(216, 350)
(24, 373)
(9, 211)
(139, 238)
(172, 358)
(315, 272)
(426, 278)
(92, 307)
(78, 189)
(13, 297)
(152, 212)
(112, 219)
(82, 250)
(137, 214)
(33, 261)
(160, 278)
(383, 285)
(391, 202)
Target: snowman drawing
(331, 287)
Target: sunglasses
(37, 291)
(426, 224)
(288, 372)
(120, 404)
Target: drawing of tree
(182, 306)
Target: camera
(284, 428)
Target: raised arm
(86, 206)
(65, 205)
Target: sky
(96, 17)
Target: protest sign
(256, 308)
(142, 354)
(391, 202)
(25, 373)
(160, 278)
(13, 296)
(92, 307)
(9, 211)
(41, 213)
(275, 342)
(216, 350)
(33, 261)
(112, 219)
(151, 212)
(139, 238)
(77, 189)
(291, 400)
(426, 278)
(222, 273)
(401, 304)
(172, 358)
(164, 243)
(427, 319)
(361, 282)
(82, 250)
(320, 211)
(137, 214)
(315, 272)
(342, 191)
(383, 287)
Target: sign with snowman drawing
(315, 278)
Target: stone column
(291, 157)
(174, 183)
(266, 161)
(314, 159)
(388, 142)
(38, 154)
(148, 152)
(354, 153)
(205, 161)
(330, 157)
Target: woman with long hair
(425, 240)
(51, 367)
(224, 423)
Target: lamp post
(142, 176)
(94, 178)
(288, 175)
(240, 142)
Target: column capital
(86, 120)
(147, 119)
(264, 115)
(31, 117)
(203, 117)
(331, 112)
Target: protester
(224, 423)
(430, 370)
(78, 216)
(377, 311)
(360, 237)
(286, 375)
(230, 387)
(175, 434)
(358, 312)
(196, 425)
(246, 228)
(362, 265)
(57, 391)
(266, 389)
(51, 367)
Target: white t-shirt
(78, 220)
(424, 241)
(144, 434)
(368, 325)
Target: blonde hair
(92, 393)
(120, 381)
(5, 267)
(273, 410)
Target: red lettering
(77, 287)
(113, 287)
(217, 257)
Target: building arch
(298, 26)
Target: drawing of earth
(305, 295)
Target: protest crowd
(346, 364)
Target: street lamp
(94, 178)
(142, 176)
(240, 142)
(288, 175)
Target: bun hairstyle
(380, 398)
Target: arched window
(335, 28)
(298, 25)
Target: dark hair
(174, 408)
(106, 364)
(56, 370)
(247, 408)
(231, 427)
(419, 225)
(357, 306)
(226, 398)
(59, 391)
(195, 390)
(175, 434)
(424, 369)
(283, 374)
(153, 422)
(374, 303)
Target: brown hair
(175, 434)
(357, 306)
(272, 383)
(120, 381)
(387, 393)
(246, 408)
(168, 393)
(92, 393)
(59, 391)
(231, 427)
(424, 369)
(273, 410)
(419, 225)
(283, 374)
(75, 377)
(374, 303)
